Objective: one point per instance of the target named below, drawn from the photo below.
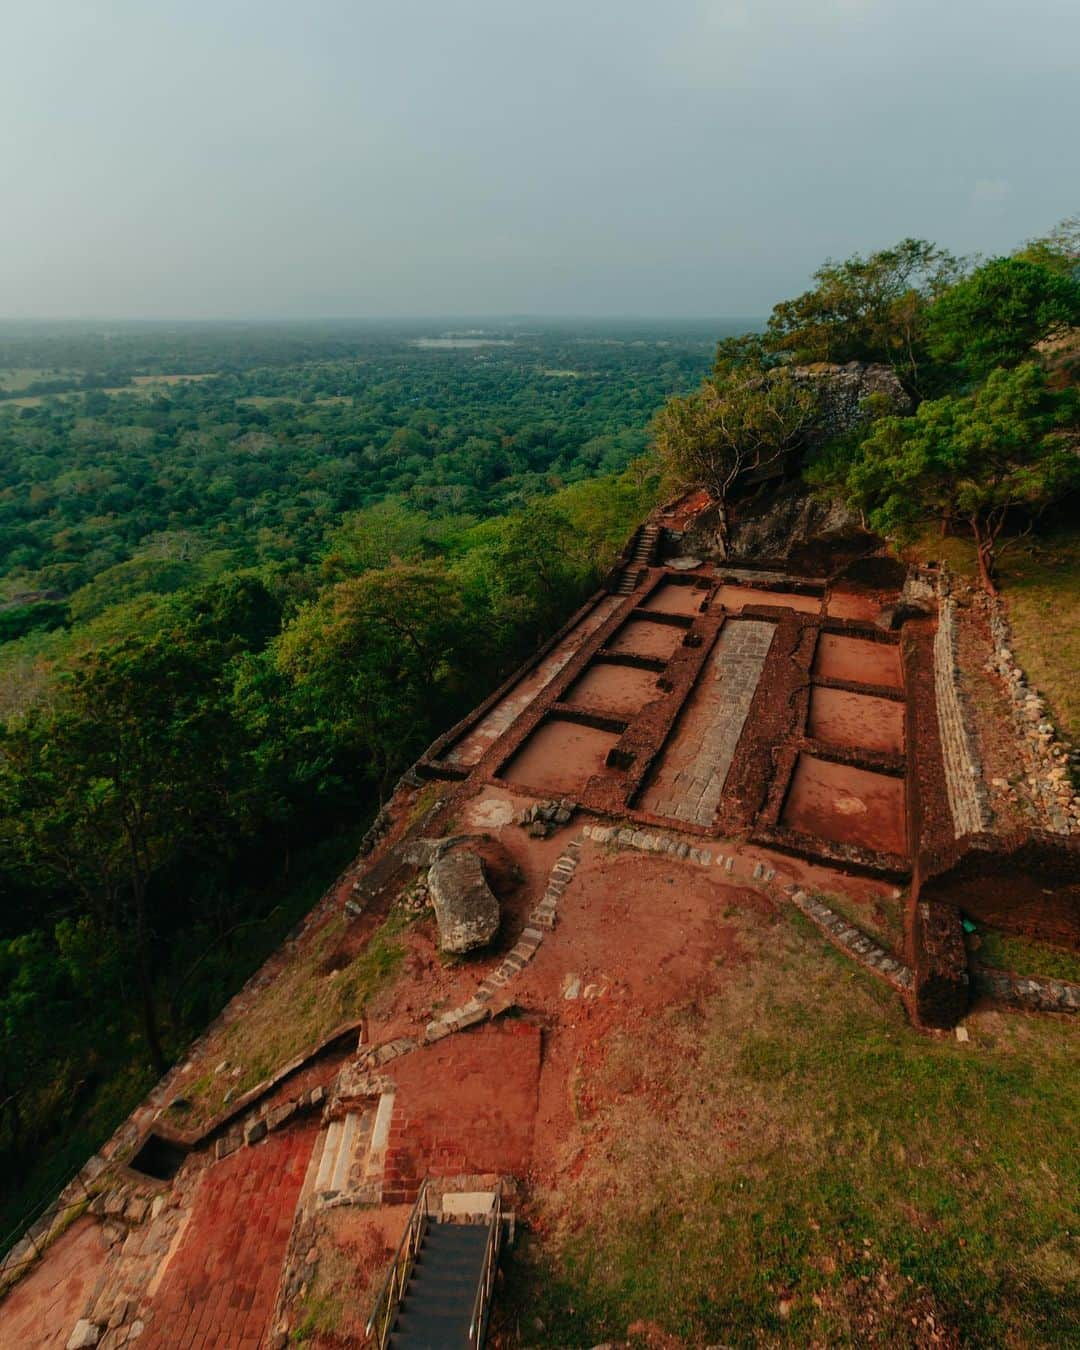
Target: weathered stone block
(86, 1333)
(254, 1130)
(465, 908)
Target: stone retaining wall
(968, 799)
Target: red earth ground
(857, 720)
(44, 1306)
(673, 598)
(560, 756)
(735, 598)
(860, 660)
(646, 637)
(847, 805)
(616, 689)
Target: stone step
(329, 1156)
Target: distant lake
(455, 341)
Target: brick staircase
(643, 553)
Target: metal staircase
(437, 1293)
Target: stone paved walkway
(219, 1288)
(695, 765)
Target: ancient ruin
(761, 733)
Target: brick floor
(465, 1105)
(219, 1288)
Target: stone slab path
(696, 763)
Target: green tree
(1011, 445)
(375, 662)
(997, 315)
(137, 766)
(1059, 250)
(867, 309)
(730, 428)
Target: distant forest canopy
(248, 572)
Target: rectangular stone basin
(644, 638)
(858, 720)
(845, 805)
(734, 598)
(860, 660)
(671, 598)
(559, 757)
(852, 605)
(616, 689)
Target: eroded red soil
(559, 757)
(846, 805)
(860, 660)
(858, 720)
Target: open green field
(790, 1163)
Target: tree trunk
(984, 553)
(723, 529)
(146, 984)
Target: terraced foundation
(860, 660)
(560, 757)
(615, 688)
(857, 720)
(846, 805)
(471, 748)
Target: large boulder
(466, 910)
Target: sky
(353, 159)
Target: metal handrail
(482, 1302)
(397, 1277)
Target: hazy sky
(233, 158)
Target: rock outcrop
(465, 907)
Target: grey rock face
(466, 910)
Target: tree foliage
(872, 308)
(998, 314)
(1011, 445)
(730, 428)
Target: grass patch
(789, 1162)
(1040, 585)
(1041, 588)
(882, 918)
(305, 1002)
(1024, 956)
